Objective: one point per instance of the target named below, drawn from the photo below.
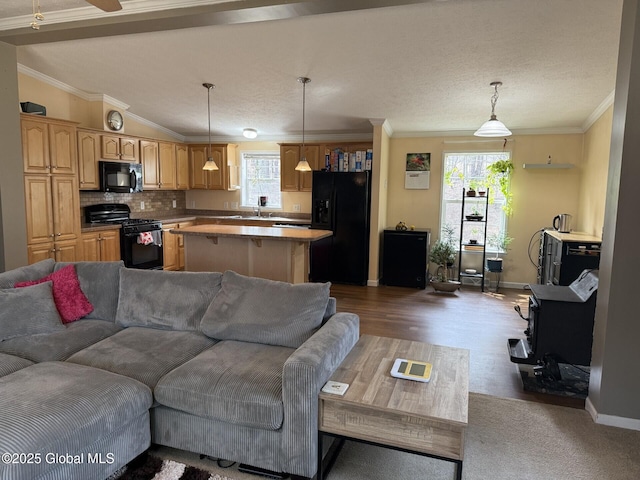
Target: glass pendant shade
(303, 166)
(493, 128)
(210, 165)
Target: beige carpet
(506, 439)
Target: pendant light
(493, 127)
(303, 165)
(209, 164)
(37, 16)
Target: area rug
(152, 467)
(506, 439)
(574, 381)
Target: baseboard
(373, 283)
(611, 420)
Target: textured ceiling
(424, 67)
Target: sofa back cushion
(164, 299)
(28, 311)
(265, 311)
(71, 302)
(28, 272)
(100, 282)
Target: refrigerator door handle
(333, 211)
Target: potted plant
(443, 254)
(501, 243)
(499, 174)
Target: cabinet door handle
(58, 234)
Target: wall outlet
(141, 205)
(296, 207)
(226, 205)
(234, 205)
(175, 204)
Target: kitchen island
(267, 252)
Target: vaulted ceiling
(425, 67)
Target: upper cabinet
(182, 167)
(158, 165)
(211, 179)
(48, 146)
(88, 157)
(119, 148)
(292, 180)
(167, 165)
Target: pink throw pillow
(70, 300)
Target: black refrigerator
(340, 202)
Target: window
(260, 178)
(464, 170)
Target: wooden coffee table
(423, 418)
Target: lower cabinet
(173, 246)
(103, 246)
(61, 251)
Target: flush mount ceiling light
(493, 127)
(209, 164)
(303, 165)
(250, 133)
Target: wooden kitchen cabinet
(181, 244)
(210, 180)
(48, 146)
(119, 148)
(52, 197)
(102, 246)
(66, 251)
(292, 180)
(182, 167)
(88, 158)
(170, 246)
(167, 165)
(150, 168)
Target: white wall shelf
(528, 166)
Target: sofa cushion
(28, 272)
(61, 408)
(100, 282)
(144, 354)
(258, 310)
(164, 299)
(11, 363)
(60, 345)
(71, 302)
(27, 311)
(235, 382)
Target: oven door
(136, 255)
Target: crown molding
(597, 113)
(155, 126)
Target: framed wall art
(417, 171)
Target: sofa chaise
(98, 361)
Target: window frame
(245, 189)
(448, 203)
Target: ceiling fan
(106, 5)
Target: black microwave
(118, 177)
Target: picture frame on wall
(417, 171)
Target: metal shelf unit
(480, 202)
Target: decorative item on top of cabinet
(103, 246)
(119, 148)
(320, 156)
(210, 179)
(52, 198)
(88, 157)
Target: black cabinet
(405, 256)
(563, 256)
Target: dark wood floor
(480, 322)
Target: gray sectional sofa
(218, 364)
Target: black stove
(136, 251)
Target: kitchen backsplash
(154, 201)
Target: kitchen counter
(266, 252)
(573, 236)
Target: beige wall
(593, 185)
(539, 195)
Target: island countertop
(244, 231)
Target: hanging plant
(499, 175)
